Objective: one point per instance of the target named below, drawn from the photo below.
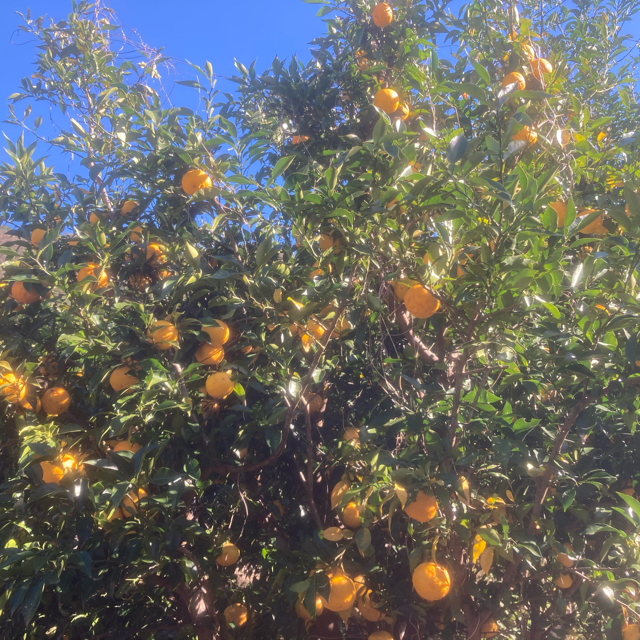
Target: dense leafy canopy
(460, 464)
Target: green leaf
(456, 149)
(480, 70)
(363, 539)
(281, 166)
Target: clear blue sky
(197, 30)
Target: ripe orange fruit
(53, 471)
(136, 234)
(94, 271)
(561, 211)
(595, 227)
(564, 580)
(631, 632)
(120, 379)
(128, 207)
(93, 218)
(387, 100)
(162, 334)
(155, 254)
(527, 134)
(12, 387)
(351, 515)
(304, 614)
(209, 355)
(326, 242)
(128, 507)
(400, 288)
(194, 180)
(342, 594)
(423, 509)
(37, 235)
(315, 328)
(380, 635)
(420, 302)
(299, 139)
(31, 402)
(366, 608)
(490, 629)
(140, 281)
(236, 614)
(540, 66)
(315, 402)
(528, 51)
(431, 581)
(382, 15)
(230, 554)
(56, 401)
(219, 385)
(514, 78)
(124, 445)
(218, 333)
(20, 294)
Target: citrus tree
(350, 352)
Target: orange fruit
(93, 218)
(155, 254)
(380, 635)
(120, 379)
(561, 211)
(304, 614)
(540, 66)
(631, 632)
(595, 227)
(299, 139)
(342, 594)
(431, 581)
(209, 355)
(528, 51)
(315, 328)
(351, 515)
(424, 507)
(218, 333)
(219, 385)
(564, 580)
(12, 387)
(163, 334)
(527, 134)
(489, 629)
(382, 15)
(194, 180)
(128, 507)
(514, 78)
(420, 302)
(366, 608)
(136, 234)
(315, 402)
(124, 445)
(53, 471)
(56, 401)
(128, 207)
(387, 100)
(140, 282)
(230, 554)
(37, 235)
(400, 288)
(236, 614)
(31, 402)
(94, 271)
(20, 294)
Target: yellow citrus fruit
(304, 614)
(124, 445)
(400, 288)
(31, 402)
(37, 235)
(136, 234)
(56, 401)
(93, 218)
(351, 515)
(382, 15)
(162, 334)
(128, 207)
(564, 580)
(527, 134)
(387, 100)
(218, 333)
(299, 139)
(366, 608)
(342, 594)
(236, 614)
(93, 271)
(155, 254)
(528, 51)
(431, 581)
(230, 554)
(595, 227)
(631, 632)
(420, 302)
(380, 635)
(209, 355)
(514, 78)
(51, 472)
(315, 402)
(140, 281)
(489, 629)
(12, 387)
(195, 180)
(120, 379)
(315, 328)
(423, 509)
(20, 294)
(564, 559)
(540, 66)
(219, 385)
(326, 242)
(561, 211)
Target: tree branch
(308, 483)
